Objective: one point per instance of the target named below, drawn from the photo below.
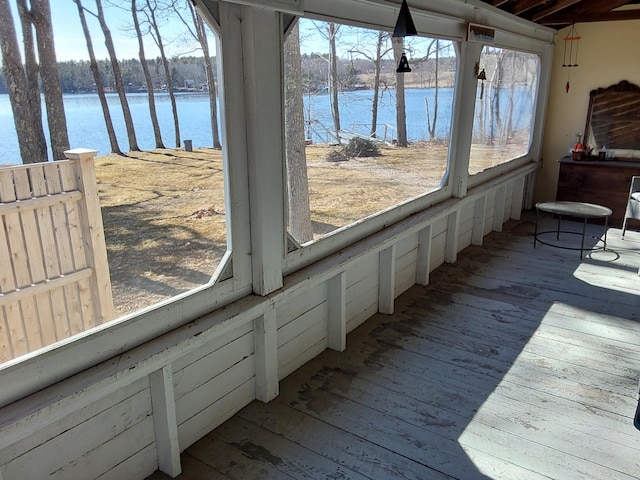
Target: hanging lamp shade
(403, 66)
(404, 24)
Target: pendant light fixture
(404, 28)
(404, 24)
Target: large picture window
(504, 110)
(152, 116)
(360, 136)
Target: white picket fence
(54, 274)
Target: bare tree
(401, 110)
(330, 32)
(381, 50)
(431, 123)
(300, 225)
(27, 114)
(517, 62)
(150, 12)
(93, 64)
(495, 81)
(115, 67)
(201, 35)
(40, 16)
(97, 78)
(147, 77)
(198, 30)
(31, 67)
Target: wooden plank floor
(515, 363)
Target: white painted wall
(608, 53)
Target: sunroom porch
(514, 362)
(134, 395)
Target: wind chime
(570, 58)
(482, 76)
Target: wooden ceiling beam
(601, 6)
(554, 8)
(569, 18)
(560, 13)
(518, 7)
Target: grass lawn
(164, 212)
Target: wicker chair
(633, 204)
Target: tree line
(189, 74)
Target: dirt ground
(164, 214)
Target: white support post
(262, 39)
(423, 264)
(165, 422)
(265, 337)
(462, 124)
(544, 82)
(498, 209)
(479, 215)
(453, 232)
(234, 147)
(387, 279)
(517, 196)
(337, 321)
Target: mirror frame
(626, 102)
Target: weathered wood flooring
(515, 363)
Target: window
(360, 137)
(504, 110)
(164, 222)
(162, 203)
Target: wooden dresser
(602, 182)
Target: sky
(71, 45)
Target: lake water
(86, 127)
